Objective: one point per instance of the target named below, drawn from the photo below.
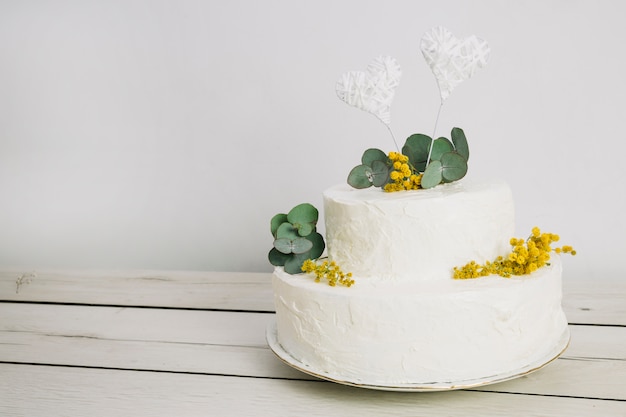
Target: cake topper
(452, 60)
(424, 161)
(372, 90)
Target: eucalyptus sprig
(295, 238)
(448, 159)
(435, 161)
(374, 170)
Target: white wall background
(165, 134)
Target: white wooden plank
(595, 302)
(185, 289)
(234, 344)
(601, 342)
(588, 378)
(148, 355)
(603, 378)
(136, 324)
(584, 301)
(151, 339)
(214, 327)
(51, 391)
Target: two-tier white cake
(406, 322)
(405, 227)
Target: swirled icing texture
(417, 235)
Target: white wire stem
(432, 142)
(393, 137)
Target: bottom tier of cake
(440, 332)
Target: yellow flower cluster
(402, 175)
(329, 271)
(526, 257)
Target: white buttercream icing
(406, 320)
(417, 235)
(446, 331)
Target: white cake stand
(417, 386)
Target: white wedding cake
(406, 321)
(424, 286)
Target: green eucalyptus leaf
(277, 258)
(284, 245)
(301, 245)
(440, 146)
(286, 231)
(454, 166)
(293, 262)
(303, 213)
(417, 147)
(380, 173)
(305, 229)
(293, 265)
(373, 154)
(432, 175)
(361, 176)
(276, 221)
(318, 245)
(460, 142)
(298, 245)
(295, 238)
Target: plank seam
(136, 306)
(283, 379)
(4, 301)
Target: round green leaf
(460, 142)
(286, 231)
(318, 245)
(301, 245)
(454, 166)
(417, 147)
(303, 213)
(277, 258)
(432, 175)
(305, 229)
(293, 262)
(276, 221)
(293, 265)
(380, 173)
(297, 246)
(373, 154)
(440, 146)
(361, 176)
(284, 245)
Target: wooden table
(144, 343)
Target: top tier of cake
(417, 235)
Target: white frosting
(447, 331)
(417, 235)
(406, 320)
